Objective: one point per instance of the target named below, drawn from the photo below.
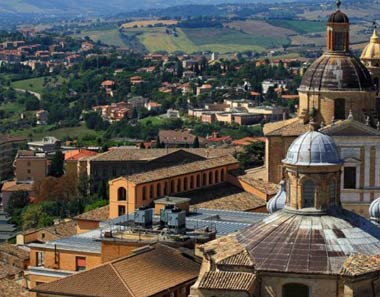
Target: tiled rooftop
(225, 280)
(263, 186)
(194, 167)
(291, 127)
(9, 288)
(130, 275)
(225, 197)
(123, 154)
(97, 215)
(359, 264)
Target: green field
(107, 36)
(36, 84)
(301, 27)
(39, 132)
(192, 40)
(12, 107)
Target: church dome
(374, 210)
(277, 202)
(337, 72)
(372, 50)
(312, 148)
(339, 17)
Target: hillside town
(188, 175)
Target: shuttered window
(80, 263)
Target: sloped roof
(291, 127)
(224, 280)
(10, 288)
(141, 274)
(183, 169)
(359, 264)
(96, 215)
(349, 127)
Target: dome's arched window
(295, 290)
(332, 191)
(121, 194)
(308, 193)
(340, 109)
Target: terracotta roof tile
(359, 264)
(9, 288)
(263, 186)
(97, 215)
(168, 172)
(141, 274)
(123, 154)
(223, 280)
(291, 127)
(225, 197)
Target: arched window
(172, 186)
(216, 176)
(166, 187)
(340, 109)
(191, 182)
(185, 184)
(222, 177)
(144, 193)
(308, 193)
(204, 179)
(295, 290)
(151, 192)
(332, 191)
(121, 194)
(210, 178)
(158, 190)
(198, 180)
(179, 185)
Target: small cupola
(338, 31)
(312, 170)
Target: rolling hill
(89, 7)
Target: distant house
(108, 85)
(135, 80)
(42, 117)
(153, 106)
(204, 89)
(172, 113)
(47, 145)
(178, 138)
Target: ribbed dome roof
(337, 72)
(372, 50)
(277, 202)
(339, 17)
(374, 210)
(312, 148)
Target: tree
(56, 168)
(17, 202)
(34, 216)
(196, 142)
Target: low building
(42, 117)
(31, 166)
(91, 220)
(156, 270)
(46, 145)
(13, 187)
(153, 106)
(177, 138)
(205, 89)
(8, 149)
(131, 192)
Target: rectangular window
(350, 177)
(80, 263)
(121, 210)
(40, 261)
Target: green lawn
(302, 27)
(106, 36)
(39, 132)
(12, 107)
(36, 84)
(154, 120)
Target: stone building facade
(311, 247)
(338, 95)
